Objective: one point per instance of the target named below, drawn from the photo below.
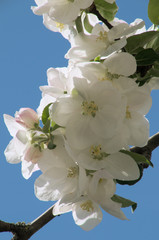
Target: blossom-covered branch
(90, 113)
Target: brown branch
(22, 231)
(147, 150)
(93, 10)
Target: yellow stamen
(87, 206)
(128, 113)
(89, 108)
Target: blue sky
(27, 50)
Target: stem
(22, 231)
(93, 10)
(42, 220)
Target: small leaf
(125, 202)
(154, 43)
(107, 10)
(146, 57)
(46, 127)
(87, 24)
(78, 23)
(153, 11)
(45, 114)
(139, 40)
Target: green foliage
(154, 43)
(153, 11)
(87, 24)
(45, 114)
(136, 42)
(146, 57)
(125, 202)
(107, 10)
(78, 23)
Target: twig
(93, 10)
(22, 231)
(147, 150)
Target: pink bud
(32, 154)
(27, 117)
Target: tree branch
(147, 150)
(93, 10)
(22, 231)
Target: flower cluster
(92, 112)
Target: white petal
(11, 124)
(138, 127)
(28, 168)
(45, 190)
(122, 166)
(113, 208)
(89, 218)
(121, 64)
(12, 156)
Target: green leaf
(87, 24)
(45, 114)
(140, 40)
(125, 202)
(154, 43)
(146, 57)
(153, 11)
(139, 159)
(46, 127)
(78, 23)
(107, 10)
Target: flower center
(60, 26)
(102, 36)
(87, 206)
(108, 76)
(128, 113)
(72, 172)
(89, 108)
(96, 152)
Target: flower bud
(27, 117)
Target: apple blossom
(86, 208)
(85, 113)
(102, 41)
(62, 11)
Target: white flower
(138, 104)
(116, 69)
(62, 11)
(18, 146)
(85, 209)
(97, 110)
(95, 157)
(102, 41)
(114, 66)
(59, 84)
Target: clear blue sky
(27, 50)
